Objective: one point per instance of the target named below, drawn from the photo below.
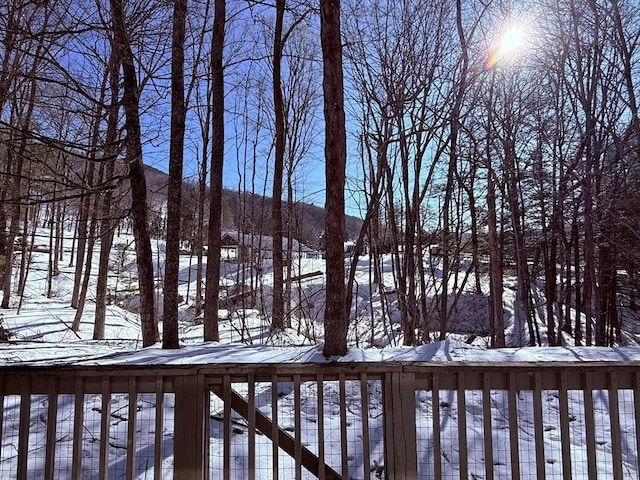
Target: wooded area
(502, 140)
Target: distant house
(245, 247)
(229, 247)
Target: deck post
(400, 426)
(189, 445)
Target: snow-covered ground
(41, 335)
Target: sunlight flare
(510, 42)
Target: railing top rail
(451, 376)
(124, 369)
(208, 354)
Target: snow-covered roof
(260, 241)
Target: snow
(42, 337)
(100, 353)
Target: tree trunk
(85, 202)
(84, 287)
(550, 231)
(108, 218)
(26, 250)
(335, 315)
(174, 193)
(217, 161)
(524, 281)
(16, 190)
(52, 253)
(12, 42)
(205, 126)
(473, 211)
(446, 243)
(496, 309)
(575, 241)
(133, 145)
(107, 226)
(277, 322)
(607, 331)
(202, 195)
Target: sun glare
(511, 40)
(509, 43)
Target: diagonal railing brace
(264, 425)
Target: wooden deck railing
(327, 421)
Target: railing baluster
(78, 420)
(364, 402)
(320, 401)
(159, 428)
(274, 425)
(105, 415)
(52, 412)
(590, 425)
(564, 426)
(2, 395)
(296, 425)
(513, 427)
(25, 420)
(407, 423)
(636, 401)
(486, 420)
(538, 426)
(389, 431)
(226, 421)
(435, 414)
(203, 428)
(462, 427)
(343, 425)
(131, 427)
(614, 419)
(251, 404)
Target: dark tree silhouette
(335, 150)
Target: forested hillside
(247, 212)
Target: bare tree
(335, 315)
(108, 209)
(133, 145)
(16, 161)
(277, 321)
(174, 202)
(217, 162)
(302, 102)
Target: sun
(511, 40)
(509, 44)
